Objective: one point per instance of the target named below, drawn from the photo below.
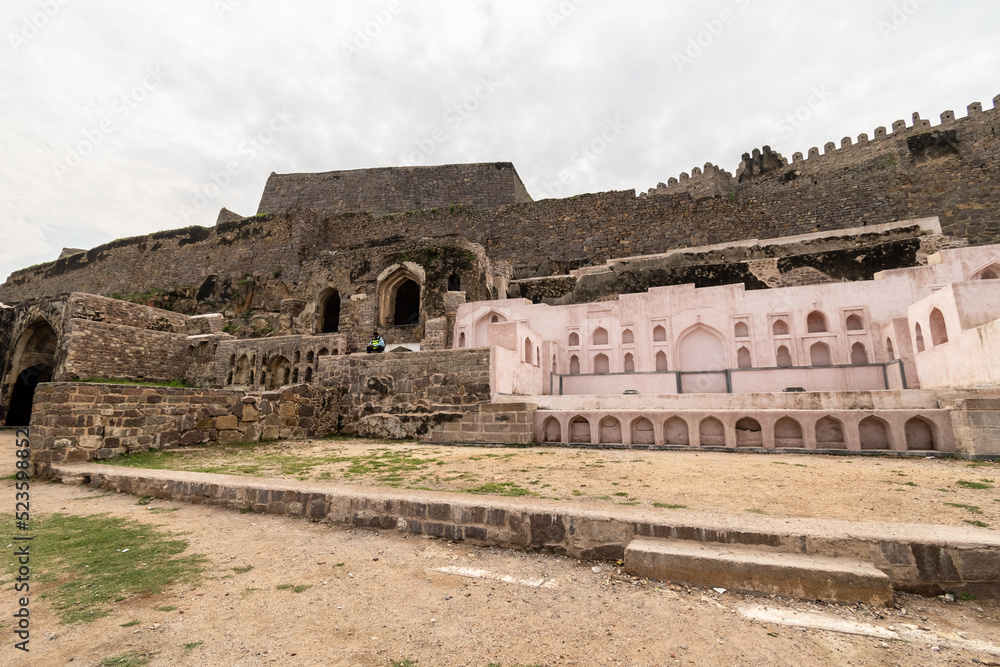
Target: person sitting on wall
(377, 344)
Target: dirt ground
(375, 599)
(912, 490)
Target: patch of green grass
(161, 510)
(972, 508)
(130, 623)
(247, 592)
(670, 506)
(294, 588)
(965, 484)
(621, 494)
(978, 524)
(575, 492)
(83, 564)
(242, 569)
(779, 463)
(754, 510)
(909, 484)
(501, 489)
(193, 645)
(166, 608)
(143, 500)
(130, 659)
(404, 663)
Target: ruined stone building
(866, 275)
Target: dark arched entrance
(407, 303)
(24, 393)
(331, 313)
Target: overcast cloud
(124, 118)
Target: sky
(125, 118)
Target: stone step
(754, 570)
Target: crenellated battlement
(707, 181)
(716, 181)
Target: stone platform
(918, 558)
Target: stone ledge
(919, 558)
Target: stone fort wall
(395, 189)
(950, 170)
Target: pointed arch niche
(400, 289)
(479, 329)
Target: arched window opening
(743, 358)
(628, 338)
(642, 432)
(711, 433)
(816, 322)
(242, 372)
(229, 378)
(555, 365)
(859, 355)
(454, 283)
(461, 339)
(574, 339)
(741, 330)
(854, 323)
(295, 357)
(629, 363)
(495, 319)
(602, 364)
(309, 374)
(889, 349)
(661, 362)
(331, 313)
(749, 433)
(780, 328)
(819, 355)
(784, 357)
(295, 376)
(528, 354)
(659, 334)
(918, 335)
(309, 357)
(574, 365)
(600, 336)
(991, 272)
(939, 331)
(232, 359)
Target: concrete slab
(752, 570)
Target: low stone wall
(405, 394)
(74, 421)
(921, 559)
(494, 423)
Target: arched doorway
(35, 363)
(331, 313)
(702, 348)
(407, 307)
(24, 393)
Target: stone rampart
(103, 350)
(950, 170)
(395, 189)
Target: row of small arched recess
(921, 434)
(816, 322)
(274, 371)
